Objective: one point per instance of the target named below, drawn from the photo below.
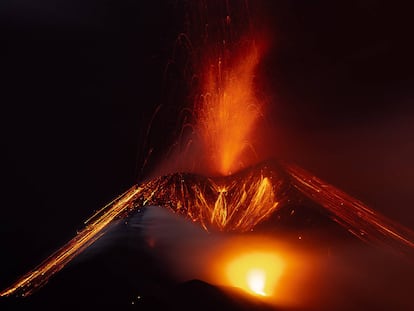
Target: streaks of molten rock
(95, 228)
(229, 109)
(232, 203)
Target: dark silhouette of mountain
(121, 270)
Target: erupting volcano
(242, 193)
(229, 110)
(238, 203)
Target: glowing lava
(256, 279)
(257, 273)
(243, 201)
(229, 109)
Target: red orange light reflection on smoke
(229, 108)
(264, 268)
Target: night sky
(82, 80)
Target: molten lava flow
(229, 110)
(233, 203)
(256, 272)
(95, 228)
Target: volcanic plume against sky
(223, 121)
(229, 110)
(225, 111)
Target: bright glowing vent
(257, 273)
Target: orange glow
(256, 273)
(95, 228)
(236, 207)
(229, 110)
(263, 267)
(256, 280)
(233, 203)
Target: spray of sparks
(226, 117)
(229, 110)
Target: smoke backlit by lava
(229, 109)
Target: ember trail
(238, 194)
(235, 203)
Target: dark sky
(82, 79)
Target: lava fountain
(239, 195)
(228, 109)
